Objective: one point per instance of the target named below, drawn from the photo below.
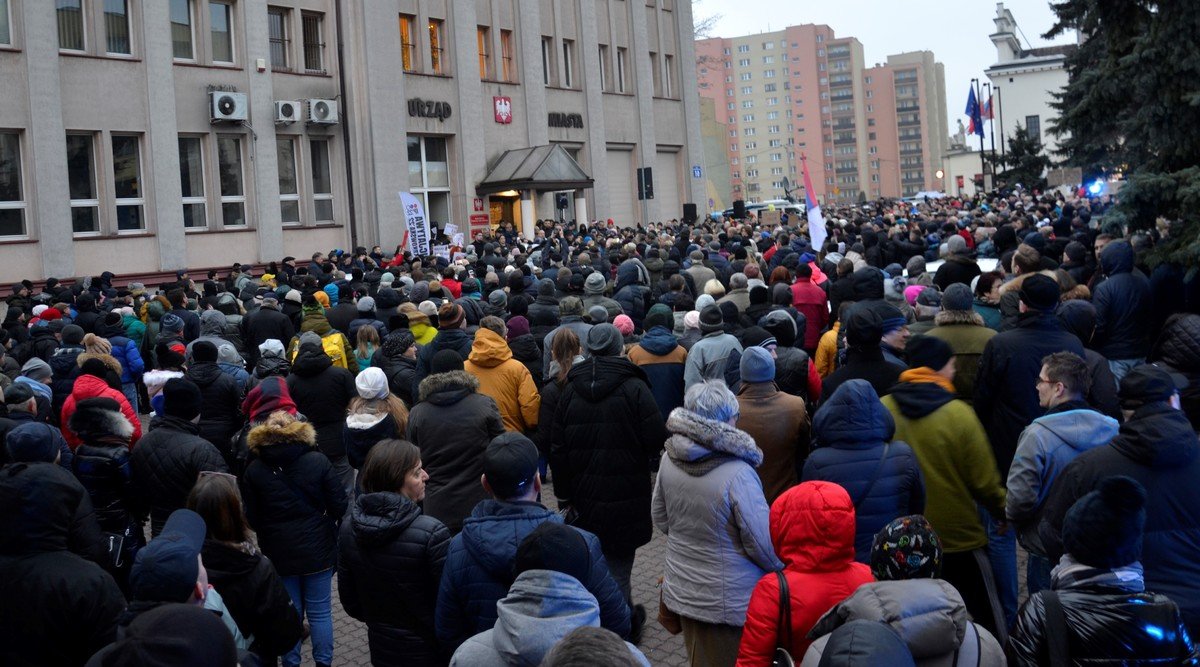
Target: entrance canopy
(538, 168)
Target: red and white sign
(479, 222)
(478, 204)
(503, 108)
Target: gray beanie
(366, 304)
(36, 369)
(956, 245)
(604, 340)
(957, 297)
(757, 365)
(595, 283)
(498, 298)
(598, 314)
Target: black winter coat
(401, 373)
(1105, 626)
(255, 597)
(449, 339)
(452, 425)
(41, 344)
(1006, 399)
(294, 499)
(220, 405)
(103, 469)
(526, 350)
(544, 312)
(956, 269)
(322, 393)
(341, 315)
(1178, 350)
(36, 566)
(64, 370)
(166, 463)
(1124, 306)
(390, 564)
(262, 325)
(605, 430)
(866, 365)
(1158, 448)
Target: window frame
(508, 59)
(483, 38)
(21, 204)
(202, 198)
(231, 18)
(621, 69)
(7, 16)
(191, 24)
(284, 41)
(319, 18)
(668, 79)
(313, 169)
(548, 77)
(408, 23)
(140, 201)
(221, 198)
(83, 24)
(129, 34)
(603, 53)
(287, 197)
(93, 202)
(422, 190)
(437, 51)
(568, 64)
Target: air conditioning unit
(287, 112)
(228, 106)
(323, 112)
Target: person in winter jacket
(397, 358)
(22, 423)
(709, 502)
(543, 312)
(812, 528)
(366, 317)
(1107, 612)
(125, 351)
(545, 603)
(525, 348)
(504, 379)
(855, 449)
(314, 321)
(1177, 350)
(266, 323)
(271, 361)
(571, 317)
(452, 335)
(38, 508)
(91, 384)
(373, 415)
(322, 393)
(594, 287)
(245, 579)
(212, 329)
(1079, 317)
(778, 422)
(963, 329)
(294, 500)
(927, 612)
(632, 291)
(957, 267)
(167, 462)
(63, 366)
(1157, 447)
(101, 463)
(606, 428)
(480, 560)
(1069, 428)
(452, 425)
(87, 316)
(863, 356)
(662, 358)
(958, 469)
(1123, 310)
(813, 303)
(37, 377)
(708, 358)
(795, 373)
(391, 557)
(220, 414)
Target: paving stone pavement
(661, 648)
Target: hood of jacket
(387, 298)
(929, 614)
(867, 284)
(919, 399)
(496, 528)
(541, 608)
(631, 272)
(212, 323)
(42, 491)
(447, 388)
(853, 416)
(204, 373)
(489, 349)
(695, 438)
(377, 519)
(659, 341)
(228, 560)
(812, 527)
(95, 423)
(311, 360)
(1158, 436)
(525, 348)
(1117, 257)
(279, 429)
(314, 320)
(598, 377)
(1082, 429)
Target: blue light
(1096, 187)
(1154, 631)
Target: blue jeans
(313, 596)
(1121, 367)
(131, 394)
(1037, 573)
(1002, 554)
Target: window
(730, 106)
(322, 180)
(772, 115)
(289, 184)
(744, 48)
(770, 74)
(436, 50)
(726, 51)
(568, 48)
(1033, 125)
(12, 198)
(5, 24)
(768, 60)
(116, 27)
(483, 39)
(221, 27)
(507, 64)
(768, 45)
(229, 169)
(744, 62)
(768, 88)
(81, 182)
(127, 182)
(191, 179)
(748, 118)
(747, 90)
(747, 104)
(70, 25)
(621, 70)
(668, 82)
(181, 29)
(314, 41)
(547, 55)
(429, 175)
(603, 67)
(746, 76)
(277, 29)
(407, 46)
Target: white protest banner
(418, 224)
(450, 230)
(457, 240)
(442, 251)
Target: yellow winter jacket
(506, 380)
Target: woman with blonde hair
(367, 341)
(375, 414)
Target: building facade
(804, 93)
(141, 136)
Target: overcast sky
(955, 30)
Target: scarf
(924, 374)
(1070, 573)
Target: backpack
(332, 344)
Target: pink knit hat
(623, 324)
(692, 320)
(911, 292)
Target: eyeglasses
(1042, 381)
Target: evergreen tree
(1026, 161)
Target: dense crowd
(847, 447)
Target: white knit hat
(372, 383)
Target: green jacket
(955, 458)
(966, 334)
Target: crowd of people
(849, 448)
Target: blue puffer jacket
(478, 571)
(664, 370)
(632, 291)
(850, 430)
(125, 351)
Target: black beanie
(203, 350)
(928, 352)
(554, 546)
(1104, 528)
(94, 366)
(864, 328)
(445, 361)
(181, 399)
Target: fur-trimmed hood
(92, 421)
(696, 440)
(447, 388)
(281, 428)
(947, 317)
(1015, 284)
(110, 361)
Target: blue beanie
(757, 365)
(332, 290)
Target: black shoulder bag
(783, 627)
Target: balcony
(909, 123)
(912, 151)
(841, 97)
(846, 141)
